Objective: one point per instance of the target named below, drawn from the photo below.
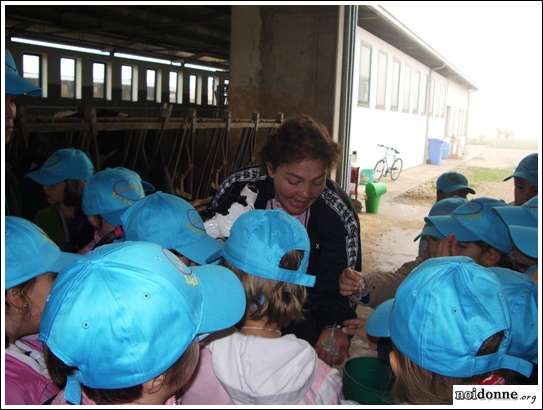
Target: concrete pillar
(284, 59)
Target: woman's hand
(349, 282)
(340, 342)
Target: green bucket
(367, 380)
(374, 191)
(366, 176)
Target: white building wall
(405, 131)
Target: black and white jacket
(334, 232)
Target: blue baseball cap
(443, 312)
(442, 207)
(15, 84)
(64, 164)
(525, 239)
(30, 252)
(475, 221)
(258, 241)
(523, 215)
(127, 311)
(527, 169)
(111, 192)
(453, 181)
(173, 223)
(147, 186)
(521, 294)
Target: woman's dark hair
(176, 375)
(298, 139)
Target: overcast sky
(497, 45)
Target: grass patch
(479, 175)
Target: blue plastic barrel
(445, 150)
(434, 150)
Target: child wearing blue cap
(63, 177)
(452, 184)
(174, 224)
(120, 325)
(521, 222)
(32, 261)
(373, 288)
(107, 194)
(269, 251)
(449, 324)
(474, 230)
(526, 179)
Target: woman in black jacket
(296, 161)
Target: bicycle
(382, 167)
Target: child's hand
(351, 326)
(349, 282)
(446, 247)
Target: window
(211, 100)
(67, 78)
(98, 80)
(126, 82)
(192, 89)
(31, 68)
(172, 88)
(432, 97)
(364, 75)
(444, 100)
(199, 87)
(395, 85)
(407, 89)
(382, 62)
(423, 93)
(151, 85)
(416, 92)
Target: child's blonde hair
(416, 385)
(279, 303)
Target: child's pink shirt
(27, 381)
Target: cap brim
(64, 261)
(44, 177)
(223, 298)
(430, 230)
(16, 85)
(148, 187)
(203, 251)
(516, 215)
(378, 322)
(446, 225)
(525, 239)
(532, 180)
(454, 188)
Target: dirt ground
(387, 237)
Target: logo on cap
(472, 210)
(195, 222)
(52, 162)
(181, 267)
(127, 191)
